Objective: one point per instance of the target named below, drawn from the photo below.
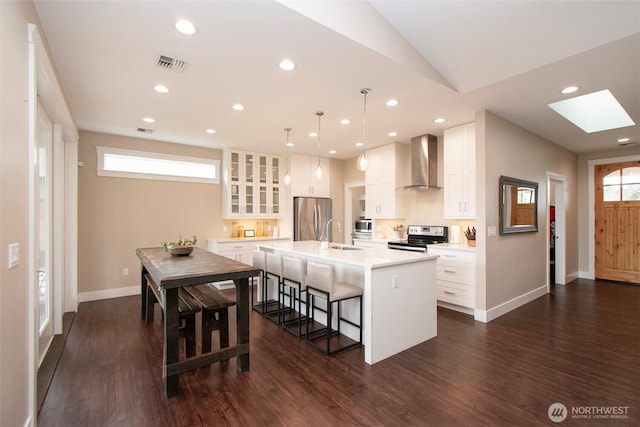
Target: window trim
(102, 151)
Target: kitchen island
(399, 292)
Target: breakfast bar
(171, 273)
(399, 292)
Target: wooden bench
(187, 309)
(215, 313)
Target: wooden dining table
(171, 273)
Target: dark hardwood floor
(579, 346)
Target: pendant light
(319, 171)
(287, 177)
(362, 160)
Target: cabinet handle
(237, 247)
(449, 256)
(450, 271)
(449, 293)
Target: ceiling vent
(169, 63)
(143, 130)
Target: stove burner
(419, 237)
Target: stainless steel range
(419, 237)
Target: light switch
(491, 231)
(394, 281)
(14, 254)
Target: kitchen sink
(345, 248)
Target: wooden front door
(617, 221)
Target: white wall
(15, 378)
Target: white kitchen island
(399, 292)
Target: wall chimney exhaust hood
(424, 163)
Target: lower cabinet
(368, 243)
(237, 249)
(456, 278)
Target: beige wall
(118, 215)
(517, 264)
(14, 208)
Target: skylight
(594, 112)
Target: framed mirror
(518, 206)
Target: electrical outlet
(394, 281)
(491, 231)
(224, 228)
(125, 271)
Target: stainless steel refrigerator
(310, 216)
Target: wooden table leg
(143, 292)
(171, 350)
(242, 300)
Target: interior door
(43, 231)
(617, 221)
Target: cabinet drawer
(456, 294)
(453, 255)
(456, 272)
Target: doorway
(556, 191)
(353, 207)
(617, 219)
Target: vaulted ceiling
(444, 59)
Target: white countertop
(245, 239)
(454, 246)
(363, 257)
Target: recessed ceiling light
(393, 133)
(238, 107)
(439, 120)
(392, 102)
(161, 88)
(289, 144)
(332, 151)
(623, 140)
(359, 144)
(287, 65)
(149, 120)
(569, 89)
(210, 131)
(345, 121)
(313, 134)
(185, 27)
(593, 112)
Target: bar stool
(293, 278)
(259, 261)
(320, 284)
(272, 271)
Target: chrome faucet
(324, 238)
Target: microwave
(363, 226)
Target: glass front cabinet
(252, 185)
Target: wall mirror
(518, 206)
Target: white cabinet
(269, 185)
(252, 185)
(460, 172)
(456, 277)
(304, 182)
(386, 170)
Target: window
(123, 163)
(622, 185)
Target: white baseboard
(499, 310)
(585, 275)
(108, 293)
(456, 307)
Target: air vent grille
(169, 63)
(143, 130)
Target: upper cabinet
(252, 185)
(386, 171)
(460, 171)
(304, 182)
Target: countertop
(362, 257)
(245, 239)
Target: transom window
(123, 163)
(622, 185)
